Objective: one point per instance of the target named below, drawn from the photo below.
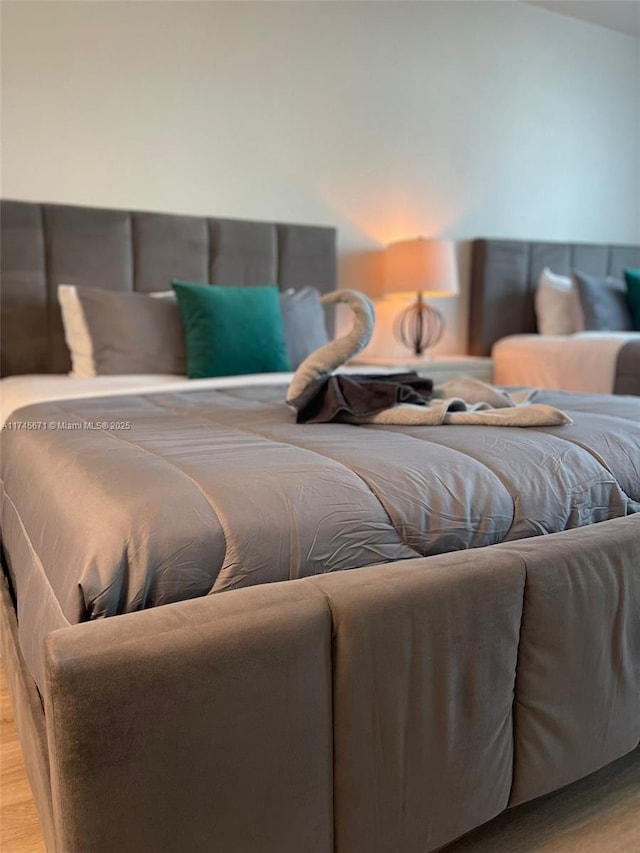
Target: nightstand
(439, 368)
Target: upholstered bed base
(356, 712)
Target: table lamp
(428, 268)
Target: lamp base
(419, 326)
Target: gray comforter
(199, 492)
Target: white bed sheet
(584, 362)
(19, 391)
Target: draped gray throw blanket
(345, 396)
(319, 395)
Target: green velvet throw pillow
(632, 277)
(231, 330)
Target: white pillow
(76, 333)
(557, 305)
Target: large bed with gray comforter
(173, 518)
(486, 624)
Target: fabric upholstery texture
(604, 303)
(578, 687)
(200, 728)
(504, 275)
(231, 330)
(412, 767)
(44, 245)
(330, 715)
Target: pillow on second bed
(557, 307)
(632, 278)
(604, 303)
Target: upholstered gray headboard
(44, 245)
(504, 274)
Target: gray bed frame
(355, 712)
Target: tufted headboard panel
(504, 274)
(44, 245)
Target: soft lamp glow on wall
(428, 268)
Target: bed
(486, 623)
(502, 319)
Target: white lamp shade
(428, 266)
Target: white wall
(387, 120)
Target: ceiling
(620, 15)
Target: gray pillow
(604, 303)
(111, 332)
(303, 323)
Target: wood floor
(600, 814)
(19, 827)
